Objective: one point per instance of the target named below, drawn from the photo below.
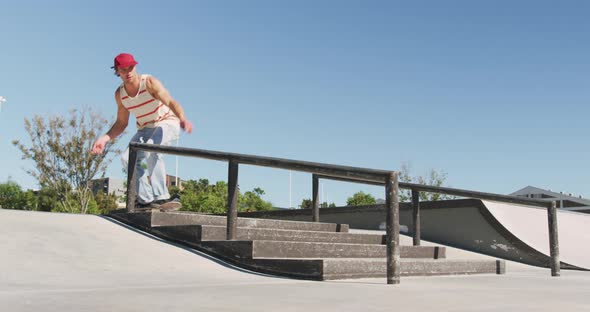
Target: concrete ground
(65, 262)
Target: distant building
(565, 201)
(172, 181)
(108, 186)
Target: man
(159, 119)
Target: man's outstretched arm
(117, 128)
(157, 90)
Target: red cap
(124, 60)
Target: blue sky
(494, 93)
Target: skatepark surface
(68, 262)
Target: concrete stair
(187, 218)
(290, 250)
(215, 233)
(375, 267)
(307, 250)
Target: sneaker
(168, 204)
(147, 206)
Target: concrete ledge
(187, 218)
(214, 232)
(281, 249)
(361, 268)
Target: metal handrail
(389, 179)
(354, 173)
(454, 191)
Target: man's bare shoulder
(118, 97)
(151, 80)
(153, 84)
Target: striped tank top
(148, 111)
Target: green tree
(252, 201)
(326, 205)
(307, 203)
(29, 200)
(10, 193)
(60, 149)
(106, 202)
(434, 178)
(70, 203)
(174, 192)
(360, 199)
(13, 197)
(47, 199)
(200, 196)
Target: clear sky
(495, 93)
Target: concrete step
(189, 218)
(376, 267)
(290, 250)
(195, 233)
(350, 268)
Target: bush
(13, 197)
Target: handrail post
(131, 181)
(232, 200)
(416, 216)
(553, 240)
(315, 207)
(392, 228)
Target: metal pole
(232, 200)
(322, 199)
(416, 216)
(176, 182)
(131, 180)
(553, 241)
(392, 228)
(315, 208)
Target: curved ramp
(529, 225)
(508, 231)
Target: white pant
(152, 164)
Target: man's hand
(186, 126)
(99, 144)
